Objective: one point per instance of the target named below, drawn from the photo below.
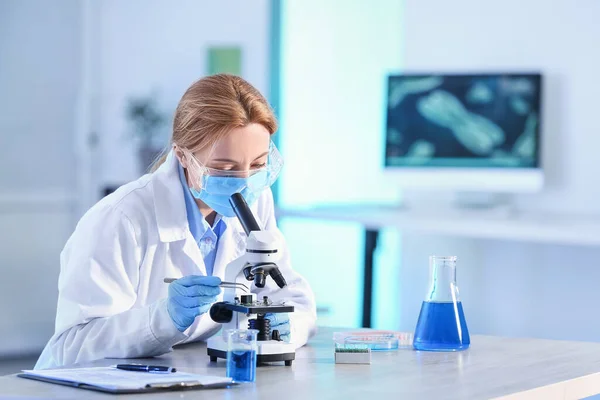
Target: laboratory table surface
(494, 367)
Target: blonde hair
(211, 107)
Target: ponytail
(160, 159)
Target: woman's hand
(190, 297)
(280, 322)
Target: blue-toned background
(67, 72)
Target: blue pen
(156, 369)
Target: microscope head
(262, 254)
(262, 247)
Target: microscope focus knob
(220, 314)
(275, 335)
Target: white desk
(569, 229)
(493, 367)
(579, 230)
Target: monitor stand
(494, 203)
(481, 200)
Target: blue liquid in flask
(241, 365)
(441, 327)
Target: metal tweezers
(235, 285)
(228, 285)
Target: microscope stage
(260, 308)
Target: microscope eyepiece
(243, 212)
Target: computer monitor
(468, 132)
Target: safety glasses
(217, 181)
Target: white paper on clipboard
(110, 378)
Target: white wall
(39, 80)
(515, 288)
(146, 45)
(66, 70)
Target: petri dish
(374, 340)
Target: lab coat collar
(232, 245)
(169, 205)
(196, 221)
(171, 216)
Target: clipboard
(111, 380)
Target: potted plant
(147, 122)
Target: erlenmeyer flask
(442, 325)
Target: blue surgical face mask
(217, 186)
(216, 191)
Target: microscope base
(268, 351)
(287, 358)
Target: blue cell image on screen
(481, 121)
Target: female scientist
(175, 222)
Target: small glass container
(242, 347)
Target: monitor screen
(463, 121)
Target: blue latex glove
(191, 296)
(281, 322)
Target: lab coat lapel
(169, 205)
(232, 245)
(192, 251)
(171, 218)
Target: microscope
(245, 311)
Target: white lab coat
(112, 299)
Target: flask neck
(442, 280)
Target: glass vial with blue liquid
(442, 325)
(241, 354)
